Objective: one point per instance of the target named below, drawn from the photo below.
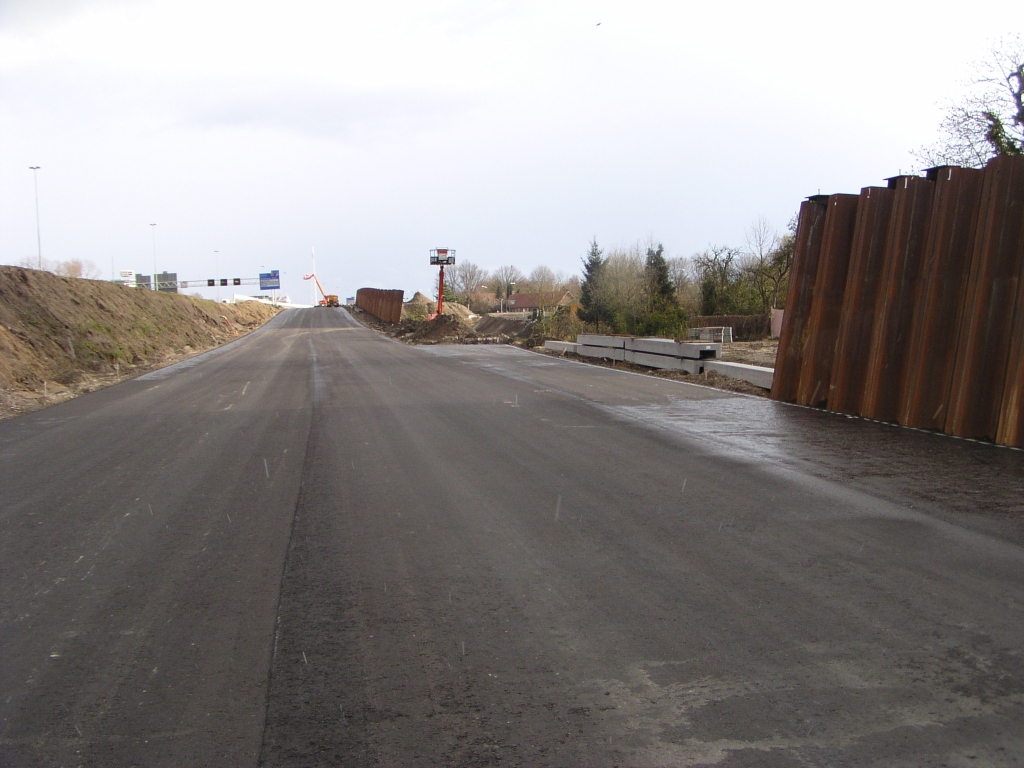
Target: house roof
(537, 300)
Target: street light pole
(39, 239)
(216, 269)
(154, 256)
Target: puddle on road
(925, 469)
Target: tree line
(484, 291)
(82, 268)
(639, 290)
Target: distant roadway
(318, 546)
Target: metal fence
(906, 303)
(384, 305)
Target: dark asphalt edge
(782, 402)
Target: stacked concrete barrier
(666, 354)
(663, 354)
(906, 303)
(382, 304)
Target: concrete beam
(693, 351)
(604, 353)
(596, 340)
(561, 346)
(664, 362)
(755, 374)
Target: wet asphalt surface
(318, 546)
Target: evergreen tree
(449, 292)
(664, 317)
(663, 292)
(590, 311)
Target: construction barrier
(906, 303)
(382, 304)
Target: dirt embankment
(752, 352)
(61, 336)
(456, 325)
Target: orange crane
(329, 299)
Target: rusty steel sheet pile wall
(906, 303)
(827, 301)
(982, 357)
(802, 274)
(1011, 411)
(384, 305)
(857, 317)
(938, 306)
(901, 268)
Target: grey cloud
(53, 96)
(16, 14)
(323, 112)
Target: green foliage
(664, 316)
(1001, 141)
(591, 308)
(723, 291)
(669, 322)
(562, 324)
(662, 291)
(449, 292)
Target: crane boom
(329, 299)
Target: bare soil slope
(75, 334)
(502, 325)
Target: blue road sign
(270, 281)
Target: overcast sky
(513, 132)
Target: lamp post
(39, 239)
(154, 255)
(216, 269)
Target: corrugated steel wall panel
(1011, 412)
(829, 287)
(945, 268)
(983, 349)
(946, 324)
(901, 271)
(857, 317)
(802, 275)
(385, 305)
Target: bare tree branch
(990, 120)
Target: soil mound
(70, 332)
(494, 325)
(459, 310)
(442, 328)
(418, 307)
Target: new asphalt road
(318, 546)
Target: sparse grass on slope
(63, 330)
